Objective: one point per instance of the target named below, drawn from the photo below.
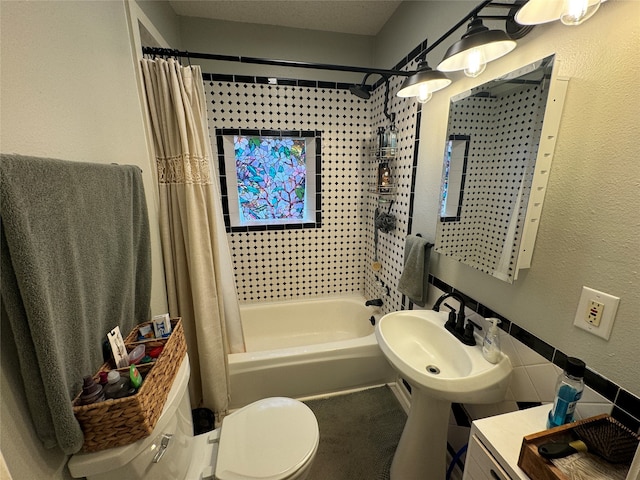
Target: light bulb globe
(475, 72)
(424, 97)
(576, 12)
(476, 63)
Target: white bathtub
(305, 348)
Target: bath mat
(359, 433)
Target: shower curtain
(198, 268)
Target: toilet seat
(270, 439)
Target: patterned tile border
(292, 82)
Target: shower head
(362, 91)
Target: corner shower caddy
(383, 155)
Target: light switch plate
(598, 320)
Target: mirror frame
(546, 148)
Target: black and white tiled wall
(390, 248)
(333, 257)
(299, 262)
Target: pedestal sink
(440, 370)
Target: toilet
(270, 439)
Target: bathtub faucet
(375, 303)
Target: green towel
(75, 259)
(413, 281)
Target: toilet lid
(269, 439)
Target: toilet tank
(136, 461)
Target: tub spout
(375, 303)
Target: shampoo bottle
(117, 386)
(381, 140)
(491, 344)
(568, 391)
(384, 177)
(91, 391)
(392, 135)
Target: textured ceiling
(349, 16)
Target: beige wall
(590, 227)
(68, 91)
(161, 16)
(279, 43)
(415, 21)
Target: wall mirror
(498, 151)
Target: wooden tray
(538, 467)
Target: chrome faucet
(373, 303)
(462, 332)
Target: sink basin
(440, 370)
(430, 358)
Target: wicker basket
(113, 423)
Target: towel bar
(428, 245)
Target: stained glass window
(269, 178)
(271, 174)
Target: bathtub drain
(433, 369)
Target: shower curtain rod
(167, 52)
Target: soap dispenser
(491, 344)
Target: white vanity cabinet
(481, 464)
(494, 444)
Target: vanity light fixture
(478, 46)
(475, 49)
(569, 12)
(423, 83)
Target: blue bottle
(568, 391)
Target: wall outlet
(596, 312)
